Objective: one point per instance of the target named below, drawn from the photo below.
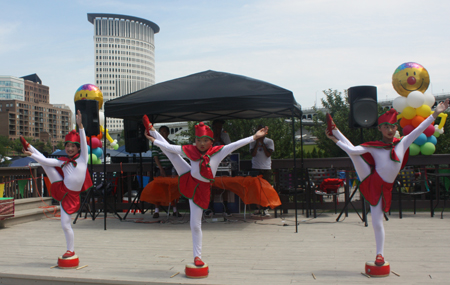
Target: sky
(301, 45)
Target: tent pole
(295, 172)
(104, 171)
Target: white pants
(196, 228)
(363, 170)
(53, 175)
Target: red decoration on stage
(193, 271)
(378, 271)
(68, 263)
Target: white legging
(196, 228)
(181, 166)
(53, 175)
(363, 170)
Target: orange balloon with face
(410, 76)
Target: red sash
(374, 187)
(379, 144)
(87, 180)
(193, 188)
(70, 200)
(194, 154)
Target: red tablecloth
(251, 190)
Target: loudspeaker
(363, 106)
(89, 115)
(135, 141)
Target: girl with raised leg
(378, 164)
(69, 176)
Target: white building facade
(11, 88)
(124, 57)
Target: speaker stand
(137, 199)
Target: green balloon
(98, 161)
(116, 147)
(427, 148)
(436, 134)
(92, 159)
(414, 149)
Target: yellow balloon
(410, 76)
(423, 111)
(409, 113)
(89, 92)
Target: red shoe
(147, 123)
(330, 124)
(198, 261)
(24, 143)
(379, 260)
(68, 254)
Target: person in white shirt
(261, 151)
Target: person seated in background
(261, 151)
(164, 168)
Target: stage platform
(255, 251)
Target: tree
(443, 141)
(339, 108)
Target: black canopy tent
(205, 96)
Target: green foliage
(60, 145)
(339, 109)
(443, 141)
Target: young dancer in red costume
(195, 180)
(378, 164)
(69, 176)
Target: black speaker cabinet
(135, 140)
(363, 106)
(89, 115)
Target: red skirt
(195, 189)
(70, 200)
(374, 187)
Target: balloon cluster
(97, 151)
(92, 92)
(414, 107)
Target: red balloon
(429, 131)
(407, 129)
(97, 143)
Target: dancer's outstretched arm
(83, 143)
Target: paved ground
(238, 252)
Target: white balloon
(101, 117)
(399, 104)
(415, 99)
(429, 99)
(436, 128)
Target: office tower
(124, 57)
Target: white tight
(363, 170)
(67, 228)
(53, 175)
(196, 228)
(182, 167)
(378, 227)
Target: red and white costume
(195, 179)
(379, 174)
(69, 177)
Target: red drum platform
(193, 271)
(378, 271)
(68, 263)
